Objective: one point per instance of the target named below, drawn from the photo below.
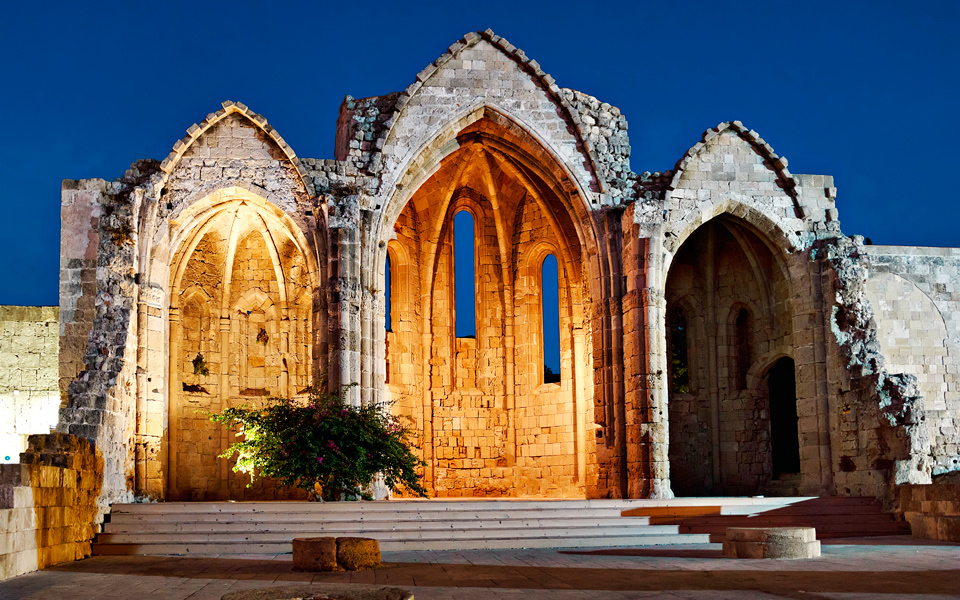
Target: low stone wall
(29, 395)
(48, 503)
(933, 510)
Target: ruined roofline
(789, 183)
(230, 107)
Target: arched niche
(731, 284)
(489, 425)
(241, 289)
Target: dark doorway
(784, 437)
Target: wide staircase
(194, 528)
(832, 516)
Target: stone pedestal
(771, 542)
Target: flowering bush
(323, 443)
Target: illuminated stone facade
(714, 331)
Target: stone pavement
(851, 569)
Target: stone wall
(932, 510)
(915, 293)
(48, 504)
(29, 398)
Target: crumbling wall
(29, 395)
(80, 209)
(102, 400)
(915, 294)
(881, 438)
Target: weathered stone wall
(29, 395)
(915, 294)
(880, 438)
(48, 504)
(101, 403)
(272, 269)
(80, 209)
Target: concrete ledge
(771, 542)
(335, 554)
(341, 591)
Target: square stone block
(315, 554)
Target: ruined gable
(234, 147)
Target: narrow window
(743, 348)
(388, 296)
(677, 339)
(465, 282)
(550, 318)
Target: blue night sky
(864, 91)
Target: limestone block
(315, 554)
(356, 554)
(771, 542)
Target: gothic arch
(524, 205)
(724, 266)
(529, 149)
(255, 269)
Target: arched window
(465, 282)
(388, 298)
(550, 319)
(677, 340)
(743, 348)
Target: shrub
(324, 442)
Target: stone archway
(487, 420)
(239, 332)
(727, 282)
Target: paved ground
(853, 569)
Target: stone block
(315, 554)
(772, 542)
(356, 554)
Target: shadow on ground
(783, 582)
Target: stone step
(374, 506)
(384, 535)
(365, 516)
(320, 525)
(265, 527)
(102, 549)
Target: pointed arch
(526, 65)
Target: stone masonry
(29, 399)
(719, 334)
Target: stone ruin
(718, 333)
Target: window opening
(388, 298)
(465, 282)
(743, 348)
(677, 338)
(550, 318)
